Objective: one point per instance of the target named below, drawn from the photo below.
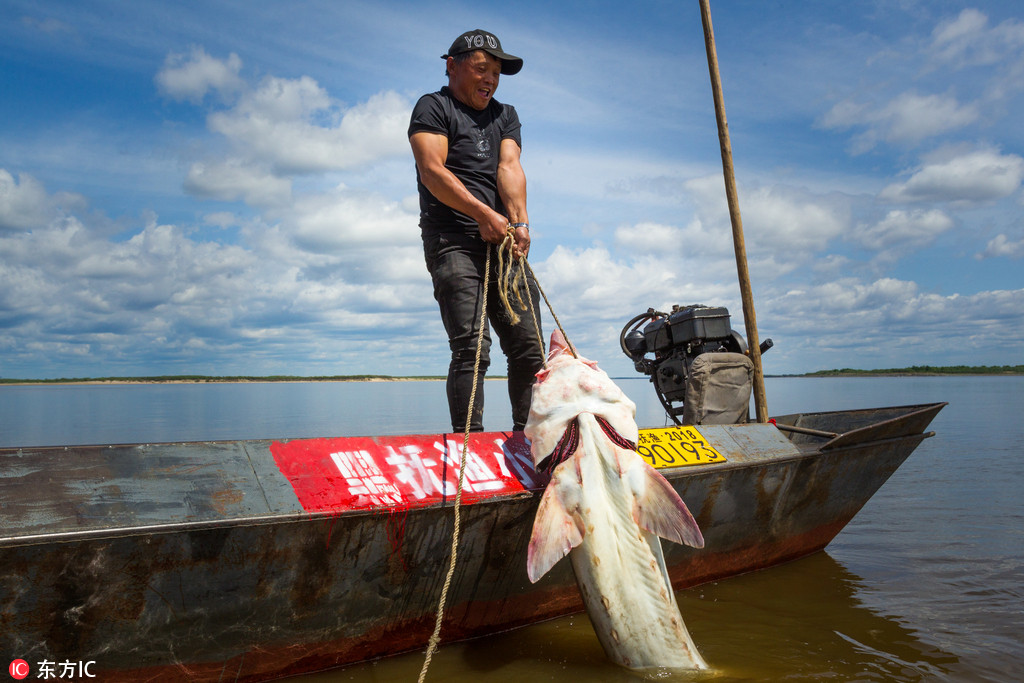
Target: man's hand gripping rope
(506, 278)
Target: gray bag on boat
(718, 389)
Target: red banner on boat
(354, 473)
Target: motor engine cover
(696, 361)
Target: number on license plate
(676, 447)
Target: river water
(925, 584)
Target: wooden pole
(739, 245)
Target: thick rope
(551, 308)
(507, 281)
(435, 638)
(520, 279)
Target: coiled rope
(506, 281)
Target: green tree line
(928, 370)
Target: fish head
(568, 386)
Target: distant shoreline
(916, 371)
(215, 380)
(922, 371)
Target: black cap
(489, 43)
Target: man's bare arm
(512, 189)
(431, 151)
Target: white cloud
(954, 37)
(854, 315)
(292, 125)
(23, 203)
(594, 284)
(647, 237)
(190, 77)
(221, 219)
(1002, 246)
(975, 176)
(283, 128)
(793, 222)
(912, 117)
(343, 219)
(784, 226)
(968, 40)
(901, 230)
(847, 297)
(233, 179)
(907, 119)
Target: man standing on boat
(472, 190)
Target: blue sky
(226, 187)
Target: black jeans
(456, 264)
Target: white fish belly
(620, 569)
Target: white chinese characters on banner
(407, 472)
(364, 478)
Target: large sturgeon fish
(607, 506)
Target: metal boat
(255, 560)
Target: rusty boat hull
(237, 561)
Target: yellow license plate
(676, 447)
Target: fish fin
(555, 533)
(657, 508)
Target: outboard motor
(700, 367)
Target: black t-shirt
(474, 140)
